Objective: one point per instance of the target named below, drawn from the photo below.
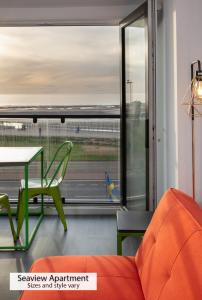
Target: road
(85, 181)
(77, 170)
(73, 190)
(99, 129)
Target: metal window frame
(148, 10)
(61, 116)
(121, 116)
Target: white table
(17, 156)
(23, 156)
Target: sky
(69, 62)
(135, 51)
(69, 65)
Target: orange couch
(167, 266)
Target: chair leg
(11, 225)
(5, 203)
(55, 193)
(20, 211)
(17, 210)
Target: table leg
(34, 231)
(25, 244)
(119, 243)
(121, 236)
(26, 207)
(42, 203)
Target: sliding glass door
(135, 109)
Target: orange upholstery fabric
(117, 278)
(167, 266)
(169, 259)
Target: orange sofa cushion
(167, 266)
(117, 278)
(169, 259)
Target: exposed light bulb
(197, 89)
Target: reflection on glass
(135, 37)
(95, 154)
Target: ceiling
(64, 3)
(89, 12)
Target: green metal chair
(4, 204)
(50, 185)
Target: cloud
(37, 60)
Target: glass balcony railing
(95, 155)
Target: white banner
(53, 281)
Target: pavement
(72, 190)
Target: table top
(133, 221)
(17, 156)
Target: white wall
(182, 45)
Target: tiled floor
(87, 235)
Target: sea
(58, 99)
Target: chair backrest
(169, 259)
(58, 166)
